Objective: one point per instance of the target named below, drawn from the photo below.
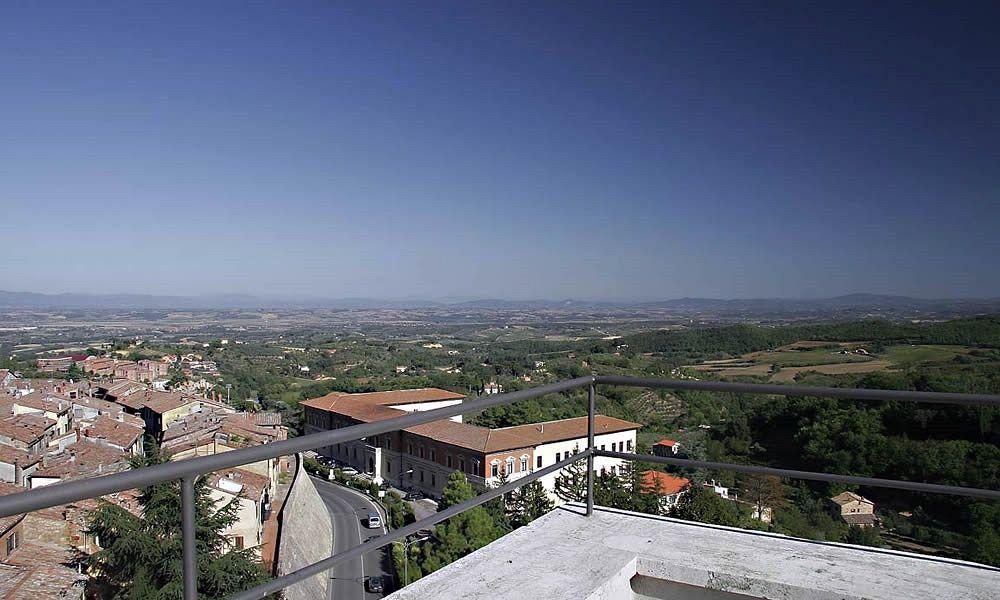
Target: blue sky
(515, 149)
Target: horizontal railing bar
(915, 486)
(326, 564)
(803, 390)
(72, 491)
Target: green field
(912, 355)
(808, 358)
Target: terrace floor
(622, 555)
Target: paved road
(347, 509)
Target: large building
(423, 456)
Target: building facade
(422, 457)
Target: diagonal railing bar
(915, 486)
(188, 470)
(284, 581)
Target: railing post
(190, 562)
(591, 409)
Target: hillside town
(57, 430)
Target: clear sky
(513, 149)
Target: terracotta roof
(666, 442)
(253, 484)
(159, 402)
(7, 522)
(11, 455)
(568, 429)
(44, 402)
(847, 497)
(116, 433)
(396, 397)
(40, 570)
(82, 458)
(25, 428)
(663, 484)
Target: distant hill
(750, 306)
(848, 301)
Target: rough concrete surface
(628, 556)
(306, 536)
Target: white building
(423, 456)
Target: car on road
(373, 520)
(374, 584)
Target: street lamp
(406, 556)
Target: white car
(349, 471)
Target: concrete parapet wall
(306, 536)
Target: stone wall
(306, 536)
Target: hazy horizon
(472, 299)
(613, 152)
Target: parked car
(374, 584)
(412, 495)
(374, 520)
(349, 471)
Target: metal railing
(188, 470)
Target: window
(602, 446)
(409, 448)
(630, 445)
(494, 469)
(434, 455)
(421, 475)
(475, 467)
(421, 452)
(447, 459)
(538, 462)
(433, 480)
(12, 542)
(558, 456)
(510, 465)
(461, 463)
(524, 463)
(238, 542)
(388, 468)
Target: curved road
(348, 508)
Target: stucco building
(423, 456)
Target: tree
(571, 482)
(141, 556)
(501, 508)
(460, 534)
(74, 372)
(984, 544)
(763, 491)
(864, 536)
(529, 502)
(704, 505)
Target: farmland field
(787, 374)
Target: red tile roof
(666, 442)
(663, 484)
(116, 433)
(26, 427)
